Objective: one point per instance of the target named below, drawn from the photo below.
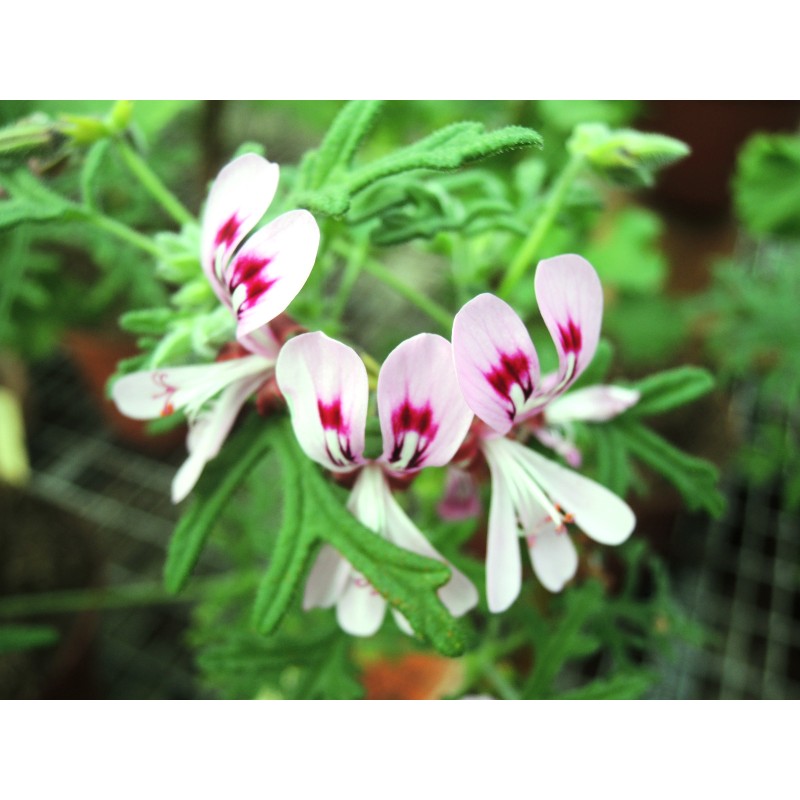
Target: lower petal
(327, 579)
(360, 609)
(553, 557)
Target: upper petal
(325, 385)
(236, 202)
(423, 415)
(269, 270)
(495, 359)
(592, 404)
(570, 300)
(597, 511)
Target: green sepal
(37, 136)
(220, 479)
(670, 389)
(312, 514)
(148, 321)
(695, 478)
(26, 637)
(625, 156)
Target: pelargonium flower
(423, 420)
(256, 278)
(498, 371)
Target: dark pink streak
(512, 369)
(407, 418)
(228, 232)
(250, 270)
(571, 339)
(330, 415)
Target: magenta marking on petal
(227, 234)
(409, 419)
(513, 369)
(330, 415)
(571, 338)
(249, 270)
(160, 380)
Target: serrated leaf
(670, 389)
(342, 141)
(314, 513)
(695, 478)
(26, 637)
(219, 480)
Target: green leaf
(564, 641)
(695, 478)
(630, 686)
(32, 202)
(314, 513)
(34, 137)
(25, 637)
(613, 465)
(216, 486)
(670, 389)
(342, 140)
(767, 185)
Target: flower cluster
(427, 393)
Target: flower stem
(123, 232)
(152, 183)
(436, 312)
(130, 595)
(531, 246)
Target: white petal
(209, 431)
(597, 511)
(325, 385)
(459, 594)
(157, 393)
(238, 199)
(327, 579)
(554, 558)
(570, 300)
(592, 404)
(360, 609)
(495, 359)
(424, 418)
(503, 561)
(271, 268)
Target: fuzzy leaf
(695, 478)
(342, 141)
(314, 513)
(670, 389)
(217, 484)
(148, 321)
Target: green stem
(122, 231)
(355, 263)
(152, 183)
(436, 312)
(499, 682)
(133, 594)
(530, 247)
